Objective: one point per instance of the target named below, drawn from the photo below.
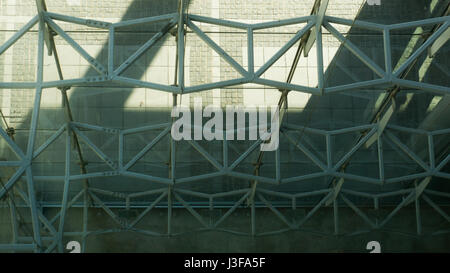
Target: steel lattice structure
(372, 134)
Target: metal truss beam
(387, 76)
(309, 34)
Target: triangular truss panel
(140, 177)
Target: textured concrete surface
(397, 241)
(128, 108)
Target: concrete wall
(313, 240)
(129, 108)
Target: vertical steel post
(172, 169)
(172, 174)
(319, 47)
(250, 53)
(387, 52)
(225, 151)
(111, 51)
(278, 165)
(121, 151)
(180, 45)
(418, 216)
(336, 216)
(431, 152)
(65, 198)
(169, 210)
(180, 72)
(381, 158)
(253, 218)
(329, 155)
(32, 137)
(85, 219)
(14, 224)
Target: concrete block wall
(129, 108)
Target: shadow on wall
(384, 14)
(53, 118)
(317, 110)
(371, 43)
(413, 107)
(126, 38)
(415, 10)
